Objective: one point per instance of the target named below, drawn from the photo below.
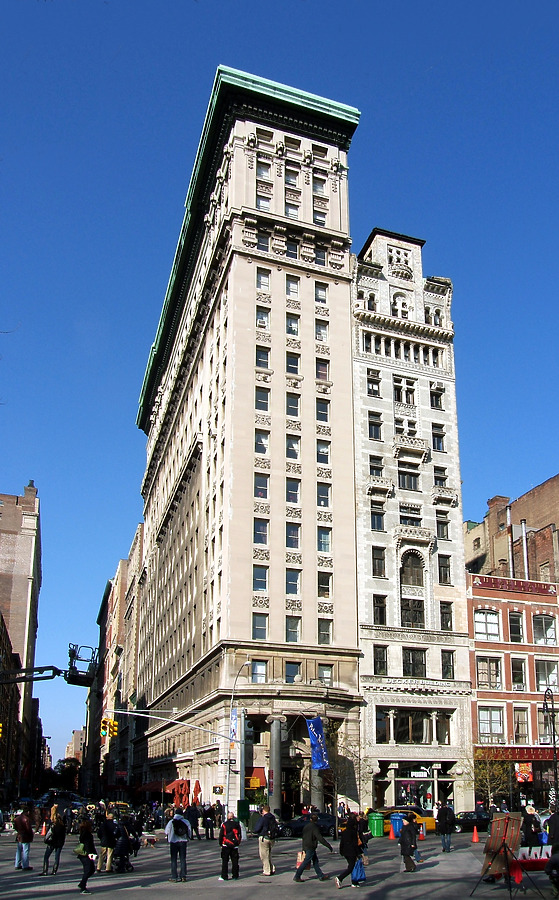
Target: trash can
(376, 824)
(397, 820)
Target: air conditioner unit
(545, 740)
(519, 687)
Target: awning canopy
(255, 777)
(177, 785)
(151, 787)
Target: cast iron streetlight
(231, 739)
(549, 710)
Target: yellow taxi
(422, 816)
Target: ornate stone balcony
(411, 534)
(403, 443)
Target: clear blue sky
(101, 105)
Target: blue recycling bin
(397, 821)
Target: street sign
(223, 762)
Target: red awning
(256, 772)
(151, 787)
(175, 785)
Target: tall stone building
(412, 606)
(20, 583)
(249, 496)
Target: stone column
(434, 739)
(317, 789)
(391, 717)
(274, 771)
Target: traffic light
(104, 727)
(113, 728)
(0, 729)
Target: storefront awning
(151, 787)
(255, 777)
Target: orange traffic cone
(44, 829)
(422, 832)
(391, 835)
(475, 838)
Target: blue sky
(102, 103)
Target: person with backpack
(229, 839)
(178, 832)
(267, 830)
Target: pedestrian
(363, 831)
(88, 855)
(349, 847)
(267, 829)
(106, 833)
(552, 828)
(218, 806)
(178, 832)
(123, 848)
(208, 822)
(530, 827)
(311, 838)
(192, 814)
(417, 852)
(24, 837)
(408, 841)
(54, 839)
(230, 837)
(446, 821)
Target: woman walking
(55, 842)
(87, 858)
(349, 848)
(408, 841)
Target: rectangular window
(544, 630)
(291, 210)
(260, 578)
(259, 627)
(320, 292)
(444, 569)
(412, 612)
(263, 169)
(261, 441)
(262, 318)
(518, 674)
(546, 674)
(436, 395)
(379, 565)
(258, 671)
(292, 535)
(377, 515)
(292, 249)
(261, 399)
(292, 490)
(262, 358)
(263, 279)
(323, 452)
(319, 218)
(326, 674)
(292, 671)
(319, 253)
(375, 426)
(447, 665)
(380, 660)
(325, 631)
(440, 477)
(414, 663)
(292, 325)
(322, 410)
(520, 721)
(488, 673)
(260, 535)
(516, 630)
(490, 725)
(292, 363)
(292, 287)
(322, 494)
(486, 625)
(408, 476)
(438, 437)
(292, 405)
(319, 185)
(545, 726)
(291, 177)
(379, 609)
(292, 629)
(262, 202)
(261, 486)
(373, 383)
(324, 584)
(410, 515)
(446, 615)
(292, 446)
(263, 242)
(442, 526)
(321, 331)
(322, 370)
(376, 466)
(324, 539)
(293, 581)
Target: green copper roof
(234, 94)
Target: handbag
(300, 858)
(48, 836)
(543, 837)
(358, 874)
(79, 850)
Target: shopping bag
(300, 857)
(358, 874)
(365, 859)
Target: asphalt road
(445, 876)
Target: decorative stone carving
(260, 602)
(325, 561)
(292, 304)
(444, 495)
(379, 485)
(258, 553)
(410, 534)
(294, 603)
(412, 590)
(294, 559)
(405, 409)
(294, 425)
(260, 462)
(322, 349)
(293, 512)
(325, 609)
(323, 516)
(323, 387)
(322, 311)
(263, 377)
(324, 430)
(251, 140)
(294, 381)
(323, 472)
(262, 508)
(293, 468)
(263, 297)
(293, 344)
(403, 443)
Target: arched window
(437, 317)
(411, 571)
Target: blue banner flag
(318, 744)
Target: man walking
(229, 839)
(178, 831)
(24, 836)
(312, 837)
(266, 828)
(446, 821)
(107, 840)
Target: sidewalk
(441, 877)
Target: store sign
(491, 583)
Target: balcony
(404, 444)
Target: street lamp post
(242, 774)
(549, 710)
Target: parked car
(294, 828)
(421, 816)
(466, 821)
